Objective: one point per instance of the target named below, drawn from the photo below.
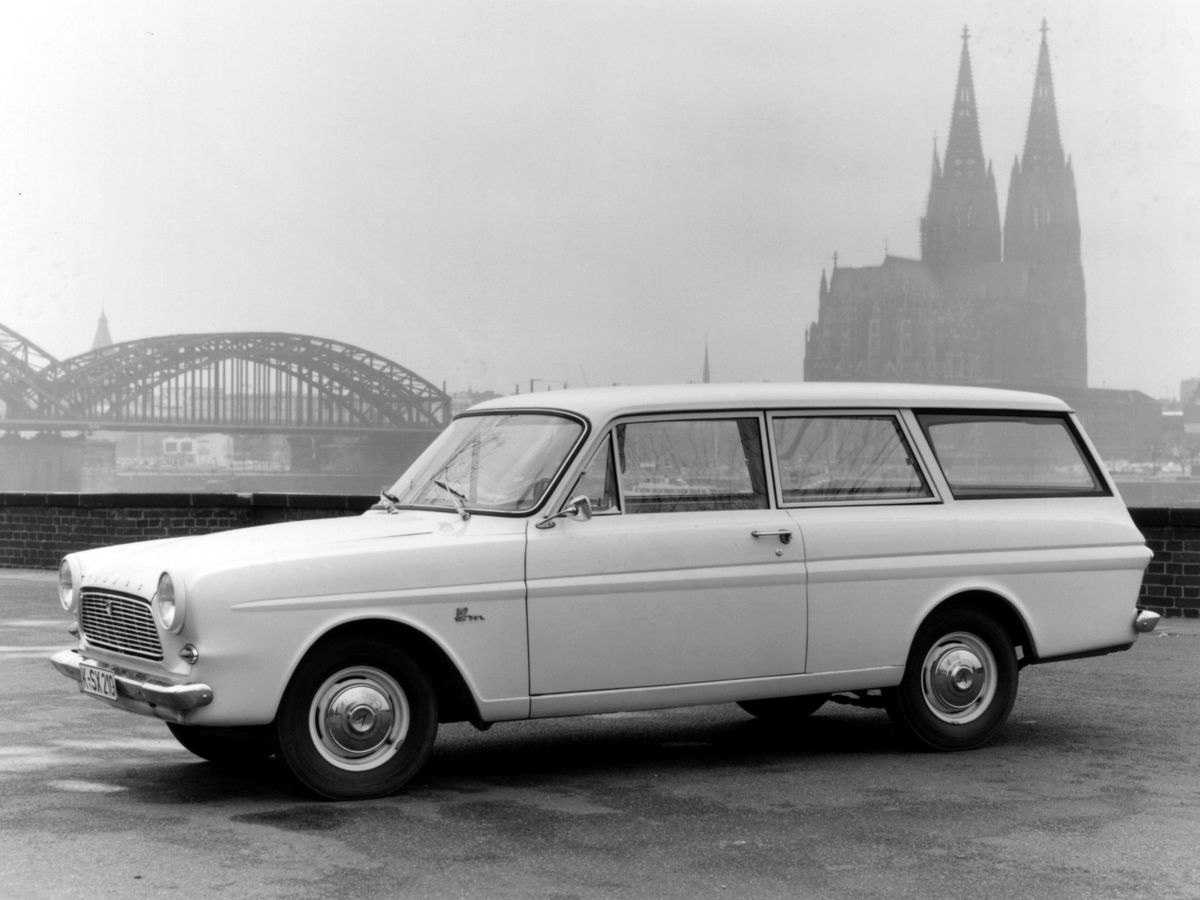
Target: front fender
(482, 633)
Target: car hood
(305, 558)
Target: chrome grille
(119, 622)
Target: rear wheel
(960, 682)
(226, 746)
(357, 720)
(782, 709)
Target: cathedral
(986, 303)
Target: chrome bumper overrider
(138, 692)
(1145, 621)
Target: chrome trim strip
(661, 697)
(137, 687)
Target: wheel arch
(456, 703)
(1000, 608)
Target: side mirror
(578, 510)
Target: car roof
(598, 404)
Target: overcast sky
(580, 192)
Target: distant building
(1187, 390)
(1190, 404)
(985, 304)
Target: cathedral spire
(1043, 146)
(1041, 233)
(962, 221)
(102, 338)
(1041, 222)
(964, 148)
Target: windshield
(490, 463)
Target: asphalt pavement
(1090, 792)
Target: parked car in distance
(590, 551)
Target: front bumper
(138, 692)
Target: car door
(685, 573)
(875, 532)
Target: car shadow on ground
(539, 754)
(521, 753)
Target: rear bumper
(1145, 621)
(138, 692)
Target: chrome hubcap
(958, 678)
(359, 718)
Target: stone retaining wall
(36, 529)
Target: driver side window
(677, 465)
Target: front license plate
(98, 682)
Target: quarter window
(598, 482)
(843, 458)
(987, 455)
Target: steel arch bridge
(21, 365)
(226, 382)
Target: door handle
(784, 535)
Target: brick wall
(37, 529)
(1171, 585)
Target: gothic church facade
(984, 304)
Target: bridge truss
(226, 382)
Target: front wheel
(960, 682)
(357, 720)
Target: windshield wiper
(459, 498)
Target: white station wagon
(597, 550)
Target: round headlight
(67, 585)
(168, 604)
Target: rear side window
(985, 455)
(845, 458)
